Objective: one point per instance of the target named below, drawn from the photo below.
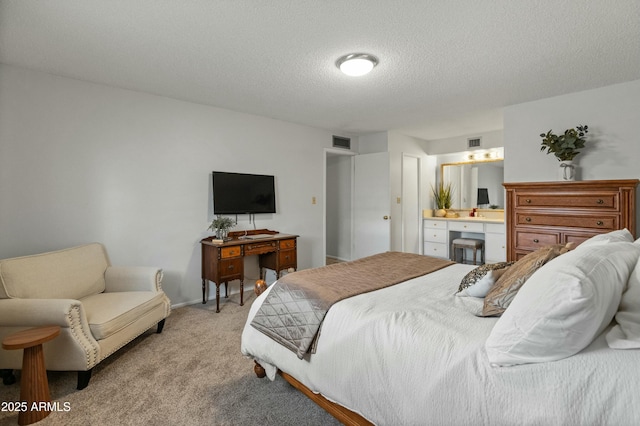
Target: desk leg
(204, 291)
(217, 297)
(242, 292)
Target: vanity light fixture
(356, 64)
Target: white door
(371, 205)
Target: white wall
(82, 162)
(489, 139)
(399, 144)
(613, 152)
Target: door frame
(326, 154)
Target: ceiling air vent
(473, 142)
(340, 142)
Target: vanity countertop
(467, 219)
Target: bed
(418, 353)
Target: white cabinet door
(495, 247)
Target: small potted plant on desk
(221, 225)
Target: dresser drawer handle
(528, 201)
(600, 201)
(230, 266)
(599, 223)
(528, 219)
(535, 240)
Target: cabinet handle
(600, 201)
(286, 257)
(230, 266)
(528, 201)
(599, 223)
(528, 219)
(535, 240)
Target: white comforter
(413, 354)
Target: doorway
(338, 205)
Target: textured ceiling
(446, 67)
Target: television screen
(238, 193)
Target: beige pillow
(504, 290)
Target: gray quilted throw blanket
(293, 311)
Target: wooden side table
(34, 386)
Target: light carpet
(191, 374)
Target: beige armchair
(99, 307)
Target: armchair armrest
(37, 312)
(132, 278)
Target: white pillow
(621, 235)
(626, 334)
(479, 281)
(563, 306)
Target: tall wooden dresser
(543, 213)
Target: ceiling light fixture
(356, 64)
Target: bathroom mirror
(467, 177)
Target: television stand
(224, 262)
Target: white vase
(567, 171)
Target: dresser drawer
(466, 226)
(231, 268)
(435, 224)
(593, 200)
(435, 235)
(535, 240)
(227, 252)
(436, 250)
(287, 244)
(601, 222)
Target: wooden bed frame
(344, 415)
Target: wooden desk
(224, 262)
(34, 387)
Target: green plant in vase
(221, 225)
(443, 197)
(565, 147)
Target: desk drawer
(603, 222)
(287, 259)
(227, 252)
(287, 244)
(259, 248)
(466, 226)
(231, 268)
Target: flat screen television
(240, 193)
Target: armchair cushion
(108, 313)
(55, 275)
